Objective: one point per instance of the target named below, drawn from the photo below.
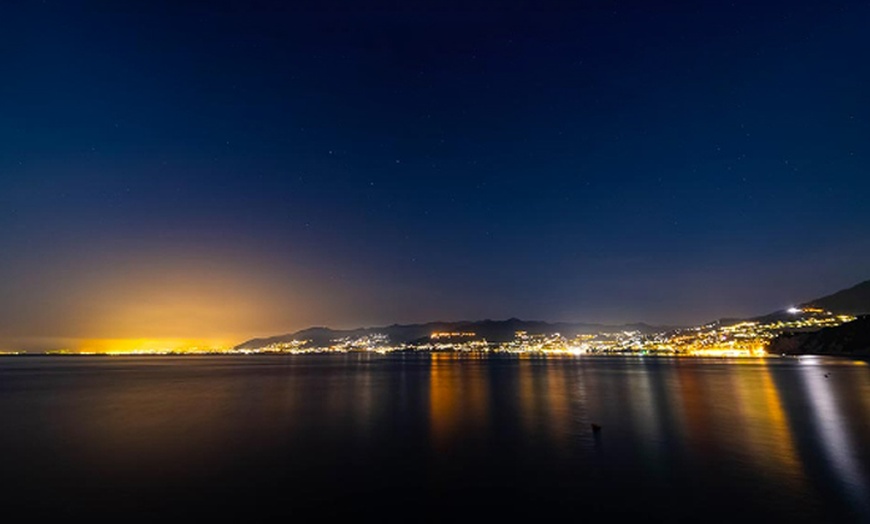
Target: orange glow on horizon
(146, 296)
(110, 346)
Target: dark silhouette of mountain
(851, 338)
(490, 330)
(852, 301)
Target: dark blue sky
(173, 170)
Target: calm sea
(440, 437)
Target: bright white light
(794, 310)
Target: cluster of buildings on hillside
(738, 338)
(746, 338)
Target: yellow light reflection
(458, 397)
(697, 407)
(558, 402)
(768, 436)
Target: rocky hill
(851, 339)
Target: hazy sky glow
(171, 171)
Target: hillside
(851, 338)
(852, 301)
(491, 330)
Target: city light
(737, 339)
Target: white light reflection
(835, 441)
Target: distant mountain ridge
(852, 301)
(491, 330)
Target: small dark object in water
(596, 428)
(826, 375)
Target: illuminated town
(748, 338)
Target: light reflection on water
(832, 432)
(685, 437)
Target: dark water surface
(442, 437)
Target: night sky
(217, 173)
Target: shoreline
(862, 356)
